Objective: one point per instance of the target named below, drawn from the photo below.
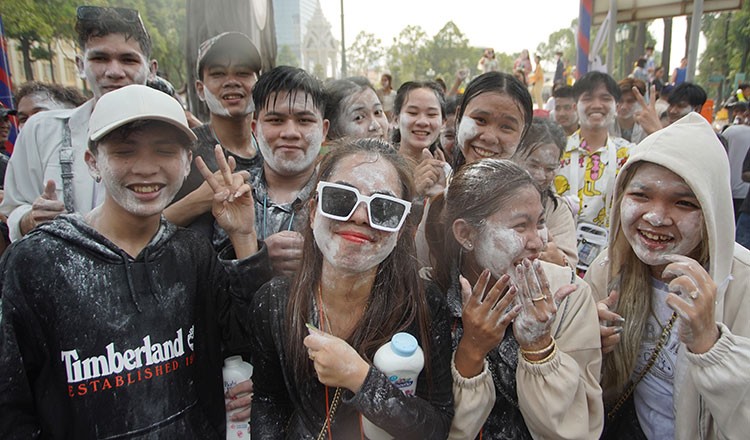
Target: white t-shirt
(653, 395)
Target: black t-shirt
(204, 148)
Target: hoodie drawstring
(131, 288)
(149, 274)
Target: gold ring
(541, 298)
(693, 294)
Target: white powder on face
(285, 166)
(347, 256)
(114, 183)
(605, 122)
(362, 102)
(654, 218)
(214, 104)
(467, 130)
(689, 227)
(369, 173)
(497, 248)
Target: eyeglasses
(338, 202)
(97, 13)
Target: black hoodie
(97, 344)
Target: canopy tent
(640, 10)
(609, 13)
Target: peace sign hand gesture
(647, 117)
(233, 206)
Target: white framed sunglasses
(338, 202)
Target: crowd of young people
(313, 227)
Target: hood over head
(691, 149)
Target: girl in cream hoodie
(673, 297)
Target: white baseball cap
(136, 103)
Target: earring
(468, 245)
(98, 178)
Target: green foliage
(405, 58)
(285, 57)
(449, 51)
(562, 40)
(364, 54)
(727, 48)
(38, 22)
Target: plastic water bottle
(235, 371)
(401, 360)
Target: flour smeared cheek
(467, 130)
(214, 104)
(691, 230)
(689, 226)
(126, 198)
(498, 248)
(297, 164)
(350, 256)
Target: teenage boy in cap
(120, 333)
(47, 175)
(227, 69)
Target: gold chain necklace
(651, 361)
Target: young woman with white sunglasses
(314, 336)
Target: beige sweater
(560, 399)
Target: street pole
(343, 45)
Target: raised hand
(45, 208)
(430, 173)
(538, 306)
(692, 297)
(484, 317)
(336, 362)
(647, 117)
(233, 206)
(610, 323)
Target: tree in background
(365, 54)
(727, 50)
(286, 57)
(35, 24)
(406, 57)
(562, 40)
(449, 51)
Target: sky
(507, 26)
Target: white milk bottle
(401, 360)
(235, 371)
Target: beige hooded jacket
(712, 390)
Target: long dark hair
(398, 296)
(336, 92)
(477, 191)
(403, 94)
(542, 132)
(498, 82)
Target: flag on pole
(583, 37)
(6, 87)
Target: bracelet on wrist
(543, 360)
(542, 351)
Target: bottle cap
(404, 344)
(233, 361)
